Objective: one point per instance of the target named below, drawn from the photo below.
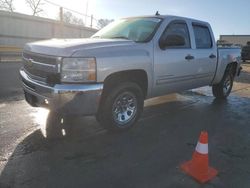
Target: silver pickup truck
(111, 74)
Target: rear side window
(179, 29)
(202, 35)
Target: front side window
(203, 38)
(136, 29)
(176, 35)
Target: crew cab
(111, 74)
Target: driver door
(174, 65)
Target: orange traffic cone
(198, 166)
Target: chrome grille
(42, 68)
(40, 58)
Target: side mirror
(172, 41)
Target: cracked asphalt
(148, 155)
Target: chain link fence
(49, 9)
(70, 16)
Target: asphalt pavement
(148, 155)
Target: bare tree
(103, 22)
(68, 17)
(35, 6)
(7, 5)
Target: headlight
(78, 70)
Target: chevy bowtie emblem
(30, 62)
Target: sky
(225, 16)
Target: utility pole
(86, 13)
(61, 22)
(91, 21)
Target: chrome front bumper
(64, 98)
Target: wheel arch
(137, 76)
(223, 89)
(232, 66)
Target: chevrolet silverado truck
(111, 74)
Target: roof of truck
(170, 16)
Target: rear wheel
(122, 107)
(223, 89)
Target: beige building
(235, 39)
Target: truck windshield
(136, 29)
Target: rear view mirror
(172, 41)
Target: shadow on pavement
(147, 156)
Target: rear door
(205, 53)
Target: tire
(223, 89)
(121, 107)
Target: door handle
(189, 57)
(212, 56)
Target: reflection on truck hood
(66, 47)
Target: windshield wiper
(120, 37)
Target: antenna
(157, 13)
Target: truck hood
(67, 47)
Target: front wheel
(223, 89)
(122, 107)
